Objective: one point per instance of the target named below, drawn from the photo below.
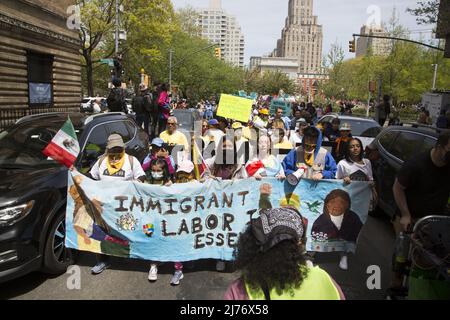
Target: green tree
(147, 23)
(426, 11)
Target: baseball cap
(276, 225)
(213, 122)
(158, 142)
(301, 121)
(264, 112)
(237, 125)
(186, 166)
(345, 127)
(115, 140)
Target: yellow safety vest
(318, 285)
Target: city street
(128, 279)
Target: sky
(262, 20)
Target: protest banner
(283, 104)
(236, 108)
(193, 221)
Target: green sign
(283, 104)
(109, 62)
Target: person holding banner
(278, 234)
(159, 151)
(224, 165)
(115, 165)
(158, 173)
(266, 165)
(310, 160)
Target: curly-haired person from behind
(270, 256)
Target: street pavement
(127, 279)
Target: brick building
(40, 67)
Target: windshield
(363, 128)
(21, 145)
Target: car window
(387, 138)
(429, 143)
(120, 127)
(363, 128)
(371, 132)
(407, 145)
(131, 128)
(94, 148)
(326, 120)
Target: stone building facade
(40, 68)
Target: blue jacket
(290, 162)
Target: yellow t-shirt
(177, 138)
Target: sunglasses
(115, 156)
(310, 146)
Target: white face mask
(157, 175)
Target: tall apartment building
(219, 27)
(379, 47)
(302, 37)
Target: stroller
(426, 273)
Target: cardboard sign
(236, 108)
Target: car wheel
(56, 256)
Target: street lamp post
(435, 76)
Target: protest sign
(193, 221)
(236, 108)
(283, 104)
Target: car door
(383, 169)
(136, 142)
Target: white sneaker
(153, 273)
(220, 265)
(177, 276)
(343, 264)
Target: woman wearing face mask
(266, 165)
(224, 164)
(159, 173)
(114, 166)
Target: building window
(40, 79)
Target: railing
(9, 116)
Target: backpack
(147, 101)
(116, 101)
(138, 104)
(154, 108)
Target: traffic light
(352, 46)
(218, 53)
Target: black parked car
(390, 149)
(33, 189)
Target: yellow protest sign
(236, 108)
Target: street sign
(109, 62)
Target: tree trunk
(89, 73)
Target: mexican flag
(64, 147)
(200, 166)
